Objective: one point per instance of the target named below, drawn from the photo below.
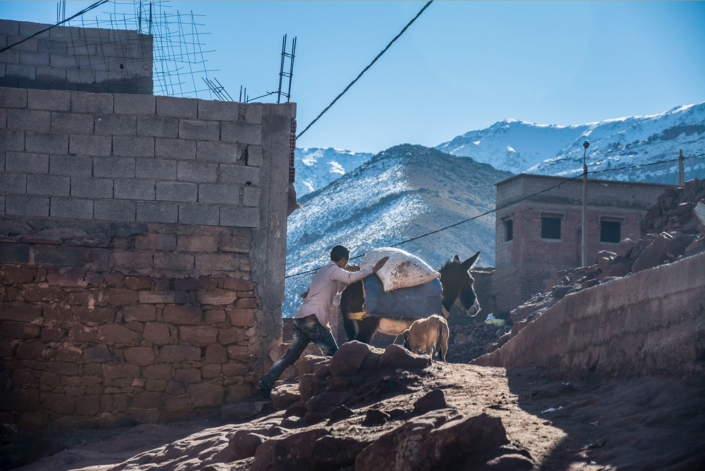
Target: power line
(365, 69)
(82, 12)
(507, 205)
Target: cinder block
(116, 125)
(239, 175)
(83, 76)
(26, 163)
(251, 196)
(51, 185)
(254, 156)
(177, 191)
(84, 50)
(90, 145)
(2, 70)
(177, 107)
(13, 98)
(29, 45)
(218, 110)
(114, 210)
(156, 168)
(133, 146)
(2, 204)
(194, 129)
(91, 187)
(11, 140)
(239, 217)
(199, 215)
(242, 133)
(70, 166)
(51, 100)
(175, 149)
(3, 119)
(190, 171)
(114, 167)
(82, 102)
(65, 32)
(219, 194)
(134, 189)
(157, 126)
(41, 143)
(58, 61)
(50, 74)
(29, 120)
(13, 183)
(14, 253)
(158, 212)
(9, 27)
(218, 151)
(71, 208)
(10, 56)
(72, 123)
(28, 29)
(26, 205)
(21, 71)
(51, 46)
(135, 104)
(37, 59)
(253, 113)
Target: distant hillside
(402, 192)
(316, 167)
(518, 146)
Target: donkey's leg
(367, 329)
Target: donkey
(457, 286)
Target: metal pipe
(681, 171)
(584, 251)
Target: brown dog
(425, 333)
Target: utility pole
(586, 144)
(681, 171)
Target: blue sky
(461, 66)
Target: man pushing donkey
(312, 319)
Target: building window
(508, 230)
(610, 231)
(550, 228)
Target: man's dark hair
(339, 252)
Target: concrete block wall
(142, 254)
(69, 58)
(130, 158)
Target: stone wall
(69, 58)
(651, 322)
(142, 254)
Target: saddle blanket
(417, 302)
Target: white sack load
(402, 270)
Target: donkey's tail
(442, 343)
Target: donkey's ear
(470, 262)
(456, 259)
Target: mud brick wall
(524, 264)
(69, 58)
(649, 323)
(141, 277)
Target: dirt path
(642, 423)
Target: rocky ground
(370, 409)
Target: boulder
(433, 400)
(231, 413)
(654, 254)
(310, 385)
(285, 396)
(349, 357)
(625, 247)
(340, 413)
(290, 453)
(396, 356)
(441, 439)
(332, 453)
(243, 444)
(604, 259)
(618, 270)
(375, 417)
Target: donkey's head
(458, 285)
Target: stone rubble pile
(674, 209)
(468, 342)
(339, 417)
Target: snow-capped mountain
(400, 193)
(316, 167)
(518, 146)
